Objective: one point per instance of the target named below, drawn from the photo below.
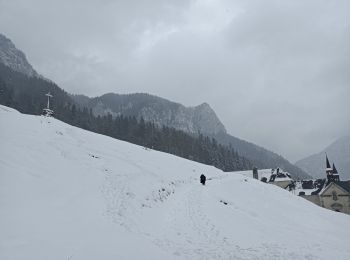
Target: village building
(331, 193)
(336, 196)
(276, 177)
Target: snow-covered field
(66, 193)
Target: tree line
(27, 94)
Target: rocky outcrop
(14, 58)
(160, 111)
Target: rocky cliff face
(338, 152)
(201, 118)
(14, 58)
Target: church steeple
(332, 173)
(334, 170)
(328, 166)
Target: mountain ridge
(151, 108)
(201, 118)
(337, 152)
(260, 156)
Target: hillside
(66, 193)
(192, 120)
(261, 157)
(338, 152)
(27, 94)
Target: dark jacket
(203, 179)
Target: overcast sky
(277, 73)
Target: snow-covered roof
(299, 189)
(317, 186)
(267, 173)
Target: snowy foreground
(66, 193)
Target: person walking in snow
(203, 179)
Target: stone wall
(282, 184)
(312, 198)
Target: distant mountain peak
(204, 105)
(14, 58)
(338, 152)
(207, 119)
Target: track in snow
(185, 228)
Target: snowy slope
(66, 193)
